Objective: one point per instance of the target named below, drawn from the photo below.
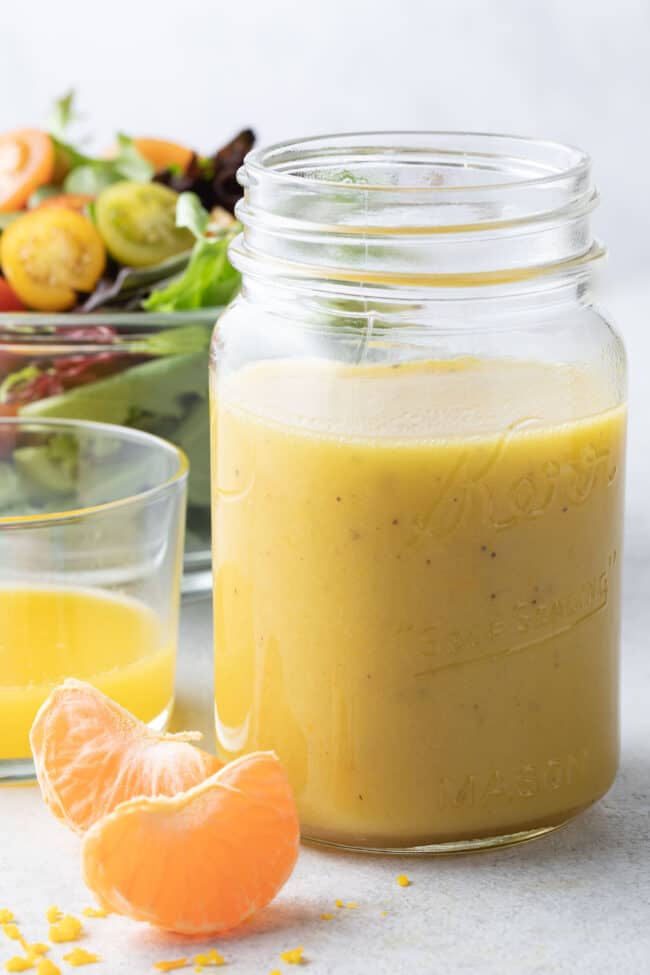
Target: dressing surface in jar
(418, 449)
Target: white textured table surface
(575, 902)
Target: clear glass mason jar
(418, 422)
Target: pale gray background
(577, 70)
(574, 70)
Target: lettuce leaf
(62, 115)
(209, 280)
(88, 174)
(131, 284)
(91, 176)
(192, 214)
(15, 378)
(174, 341)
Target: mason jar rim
(416, 210)
(265, 160)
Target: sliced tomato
(163, 154)
(8, 431)
(50, 254)
(9, 300)
(99, 334)
(138, 223)
(68, 201)
(26, 162)
(41, 386)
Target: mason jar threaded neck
(416, 210)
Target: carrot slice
(162, 154)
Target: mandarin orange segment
(90, 755)
(201, 862)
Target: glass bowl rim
(179, 476)
(141, 318)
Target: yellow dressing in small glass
(49, 634)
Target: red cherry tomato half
(9, 300)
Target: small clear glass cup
(92, 521)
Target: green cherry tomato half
(138, 223)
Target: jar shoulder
(579, 335)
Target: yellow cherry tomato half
(138, 223)
(26, 162)
(49, 255)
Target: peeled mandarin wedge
(90, 755)
(201, 862)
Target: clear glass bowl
(136, 369)
(91, 548)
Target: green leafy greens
(93, 175)
(63, 114)
(15, 379)
(88, 174)
(192, 214)
(209, 280)
(131, 284)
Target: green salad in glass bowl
(144, 371)
(113, 270)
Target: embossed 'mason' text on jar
(418, 437)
